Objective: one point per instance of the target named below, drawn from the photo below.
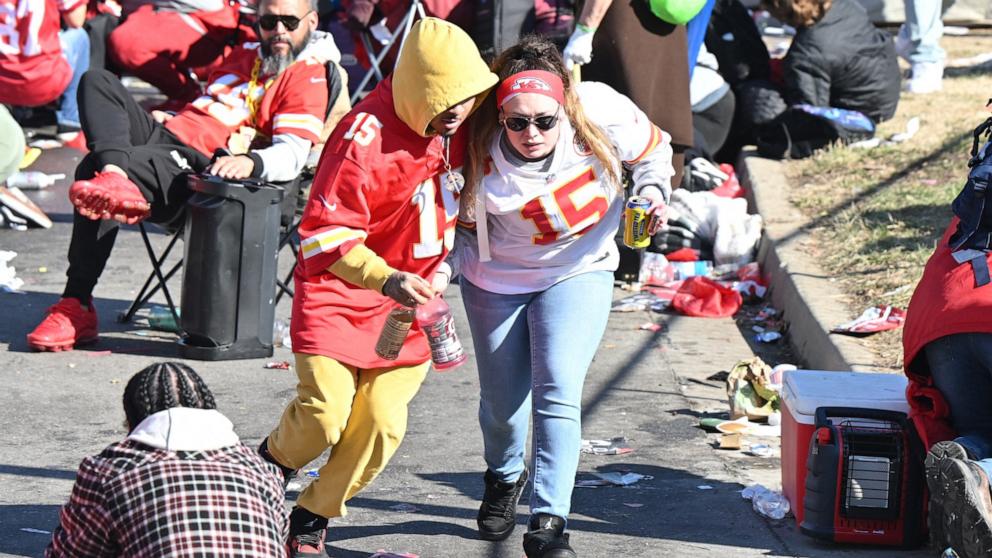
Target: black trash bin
(229, 277)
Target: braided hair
(162, 386)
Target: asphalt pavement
(647, 386)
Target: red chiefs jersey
(32, 69)
(945, 302)
(378, 183)
(292, 103)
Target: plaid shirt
(136, 501)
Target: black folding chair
(147, 290)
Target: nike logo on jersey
(328, 205)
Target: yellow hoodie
(438, 67)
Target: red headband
(532, 81)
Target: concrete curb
(810, 303)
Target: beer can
(394, 333)
(636, 222)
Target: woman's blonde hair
(797, 13)
(532, 53)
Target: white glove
(579, 47)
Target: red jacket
(945, 302)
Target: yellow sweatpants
(360, 413)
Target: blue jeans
(76, 50)
(533, 351)
(961, 366)
(925, 29)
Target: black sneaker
(936, 518)
(498, 512)
(546, 538)
(307, 531)
(287, 473)
(968, 503)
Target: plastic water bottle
(32, 180)
(768, 503)
(394, 332)
(439, 326)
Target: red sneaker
(75, 141)
(109, 195)
(66, 325)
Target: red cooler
(803, 391)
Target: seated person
(947, 342)
(46, 63)
(165, 42)
(838, 58)
(138, 164)
(713, 105)
(181, 462)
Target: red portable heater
(864, 479)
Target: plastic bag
(749, 391)
(767, 502)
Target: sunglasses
(268, 22)
(520, 123)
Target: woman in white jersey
(544, 195)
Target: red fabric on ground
(705, 298)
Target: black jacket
(844, 61)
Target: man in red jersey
(378, 225)
(39, 62)
(265, 106)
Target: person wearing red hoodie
(947, 344)
(376, 230)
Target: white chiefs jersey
(544, 227)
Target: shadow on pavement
(38, 472)
(654, 508)
(25, 311)
(18, 526)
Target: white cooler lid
(805, 390)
